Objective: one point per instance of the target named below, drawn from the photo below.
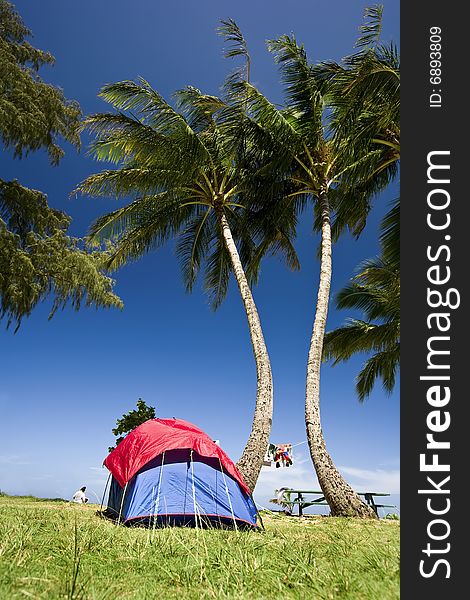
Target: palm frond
(272, 120)
(236, 46)
(198, 108)
(156, 112)
(217, 272)
(371, 29)
(390, 236)
(112, 226)
(122, 138)
(193, 244)
(135, 243)
(383, 366)
(232, 34)
(125, 182)
(358, 336)
(305, 93)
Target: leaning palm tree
(305, 166)
(186, 183)
(338, 168)
(375, 291)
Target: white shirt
(79, 497)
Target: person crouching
(79, 496)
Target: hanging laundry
(283, 455)
(280, 454)
(269, 456)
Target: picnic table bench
(286, 499)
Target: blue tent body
(182, 487)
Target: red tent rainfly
(156, 436)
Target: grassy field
(54, 549)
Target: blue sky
(65, 382)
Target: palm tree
(306, 166)
(376, 292)
(186, 182)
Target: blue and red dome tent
(169, 472)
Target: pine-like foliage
(33, 114)
(37, 257)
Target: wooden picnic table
(302, 502)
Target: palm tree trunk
(342, 499)
(252, 458)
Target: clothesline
(293, 445)
(299, 444)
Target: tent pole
(196, 514)
(157, 501)
(122, 502)
(258, 514)
(149, 531)
(104, 493)
(228, 496)
(186, 489)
